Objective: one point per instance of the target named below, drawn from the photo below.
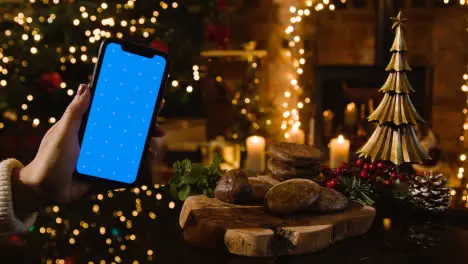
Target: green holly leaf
(184, 192)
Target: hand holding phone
(127, 91)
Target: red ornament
(372, 167)
(394, 175)
(50, 81)
(331, 184)
(360, 162)
(159, 45)
(219, 34)
(220, 5)
(388, 182)
(364, 175)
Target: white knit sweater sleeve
(9, 223)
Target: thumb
(76, 109)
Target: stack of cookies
(291, 160)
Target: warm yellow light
(292, 9)
(36, 122)
(446, 1)
(84, 57)
(462, 157)
(71, 241)
(287, 94)
(286, 114)
(301, 60)
(158, 196)
(465, 126)
(175, 5)
(70, 92)
(52, 120)
(171, 205)
(24, 106)
(243, 111)
(286, 135)
(132, 28)
(247, 100)
(3, 82)
(33, 50)
(300, 105)
(58, 220)
(76, 21)
(297, 38)
(453, 192)
(132, 237)
(284, 104)
(37, 37)
(387, 223)
(460, 175)
(332, 7)
(306, 12)
(104, 5)
(464, 88)
(102, 230)
(300, 71)
(309, 3)
(189, 89)
(465, 76)
(25, 37)
(175, 83)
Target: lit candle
(339, 151)
(255, 160)
(350, 115)
(327, 122)
(296, 135)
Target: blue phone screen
(120, 116)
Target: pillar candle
(311, 131)
(339, 151)
(350, 115)
(255, 160)
(296, 135)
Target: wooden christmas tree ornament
(395, 139)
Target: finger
(76, 109)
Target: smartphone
(127, 89)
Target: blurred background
(300, 71)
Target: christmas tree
(252, 114)
(394, 139)
(48, 47)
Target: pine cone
(430, 193)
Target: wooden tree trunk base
(251, 231)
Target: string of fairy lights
(291, 102)
(121, 237)
(464, 139)
(100, 23)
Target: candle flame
(350, 107)
(340, 139)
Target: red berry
(360, 162)
(394, 175)
(388, 182)
(331, 184)
(381, 165)
(366, 166)
(338, 171)
(364, 175)
(372, 167)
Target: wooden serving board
(249, 230)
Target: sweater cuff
(9, 223)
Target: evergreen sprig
(357, 190)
